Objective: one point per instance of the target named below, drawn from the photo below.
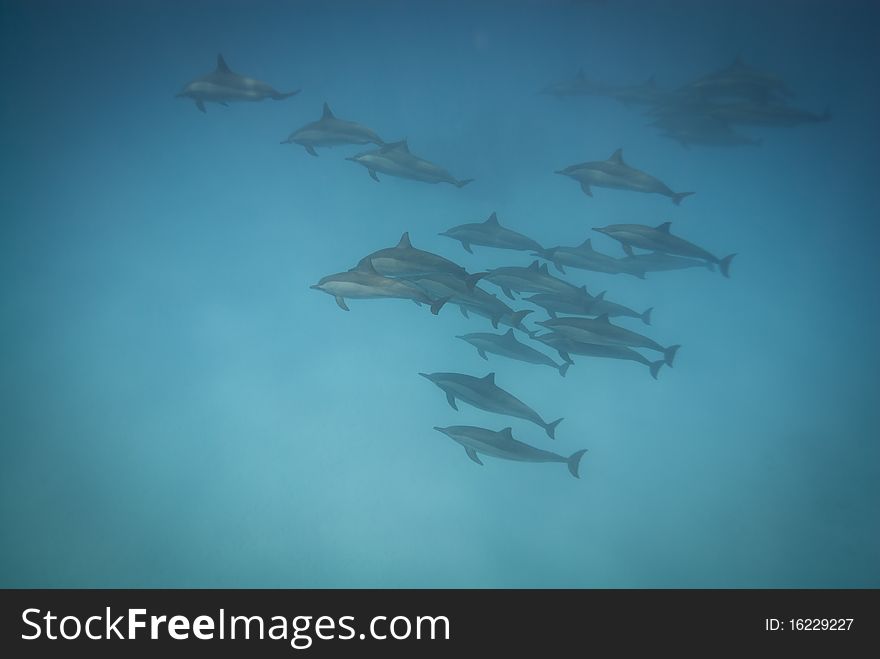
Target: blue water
(180, 409)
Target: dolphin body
(330, 131)
(739, 80)
(484, 394)
(770, 114)
(615, 173)
(395, 159)
(223, 86)
(501, 444)
(587, 305)
(404, 260)
(659, 239)
(661, 262)
(566, 347)
(507, 345)
(583, 257)
(490, 234)
(476, 300)
(602, 332)
(534, 279)
(365, 283)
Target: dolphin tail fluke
(471, 280)
(463, 182)
(280, 96)
(725, 265)
(551, 428)
(436, 305)
(655, 367)
(574, 462)
(646, 317)
(669, 354)
(563, 368)
(678, 196)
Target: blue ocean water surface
(180, 409)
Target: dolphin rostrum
(659, 239)
(615, 173)
(330, 131)
(223, 86)
(490, 234)
(501, 444)
(601, 331)
(404, 260)
(395, 159)
(507, 345)
(484, 394)
(365, 283)
(566, 347)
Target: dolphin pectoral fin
(223, 103)
(482, 353)
(559, 267)
(311, 150)
(495, 320)
(342, 305)
(451, 400)
(200, 104)
(463, 182)
(586, 188)
(507, 292)
(565, 356)
(374, 176)
(467, 247)
(436, 305)
(463, 312)
(627, 249)
(472, 454)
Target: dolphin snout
(425, 375)
(560, 171)
(317, 287)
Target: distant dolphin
(507, 345)
(395, 159)
(490, 234)
(222, 86)
(534, 279)
(365, 283)
(566, 347)
(602, 332)
(404, 260)
(659, 239)
(330, 131)
(587, 305)
(583, 257)
(484, 394)
(502, 445)
(615, 173)
(739, 81)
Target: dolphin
(490, 234)
(767, 114)
(404, 260)
(534, 279)
(566, 347)
(484, 394)
(583, 257)
(660, 262)
(501, 444)
(739, 80)
(587, 305)
(577, 86)
(659, 239)
(507, 345)
(602, 332)
(330, 131)
(365, 283)
(222, 86)
(395, 159)
(476, 300)
(615, 173)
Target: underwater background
(179, 408)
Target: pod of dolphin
(578, 323)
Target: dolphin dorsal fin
(584, 289)
(493, 220)
(601, 296)
(588, 243)
(617, 157)
(327, 113)
(604, 318)
(395, 146)
(509, 333)
(366, 265)
(534, 265)
(507, 432)
(222, 67)
(490, 378)
(404, 241)
(664, 227)
(544, 269)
